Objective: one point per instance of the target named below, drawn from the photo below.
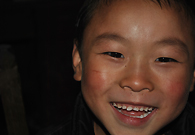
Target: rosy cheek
(177, 92)
(94, 81)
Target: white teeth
(146, 109)
(141, 109)
(129, 108)
(124, 107)
(135, 109)
(119, 106)
(145, 114)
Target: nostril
(135, 90)
(136, 82)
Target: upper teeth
(131, 108)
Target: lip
(135, 122)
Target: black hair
(89, 6)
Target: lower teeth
(141, 116)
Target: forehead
(129, 18)
(138, 9)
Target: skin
(141, 32)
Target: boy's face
(136, 55)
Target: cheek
(94, 85)
(176, 84)
(177, 92)
(94, 80)
(96, 77)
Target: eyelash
(119, 55)
(114, 54)
(165, 59)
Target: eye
(114, 54)
(166, 59)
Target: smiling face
(137, 66)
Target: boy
(135, 61)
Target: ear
(193, 82)
(77, 64)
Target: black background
(41, 33)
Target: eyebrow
(167, 41)
(110, 36)
(174, 42)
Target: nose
(137, 77)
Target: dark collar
(82, 118)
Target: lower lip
(136, 122)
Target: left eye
(114, 54)
(166, 59)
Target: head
(135, 55)
(89, 7)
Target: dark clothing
(80, 123)
(82, 119)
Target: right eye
(166, 59)
(114, 54)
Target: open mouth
(133, 111)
